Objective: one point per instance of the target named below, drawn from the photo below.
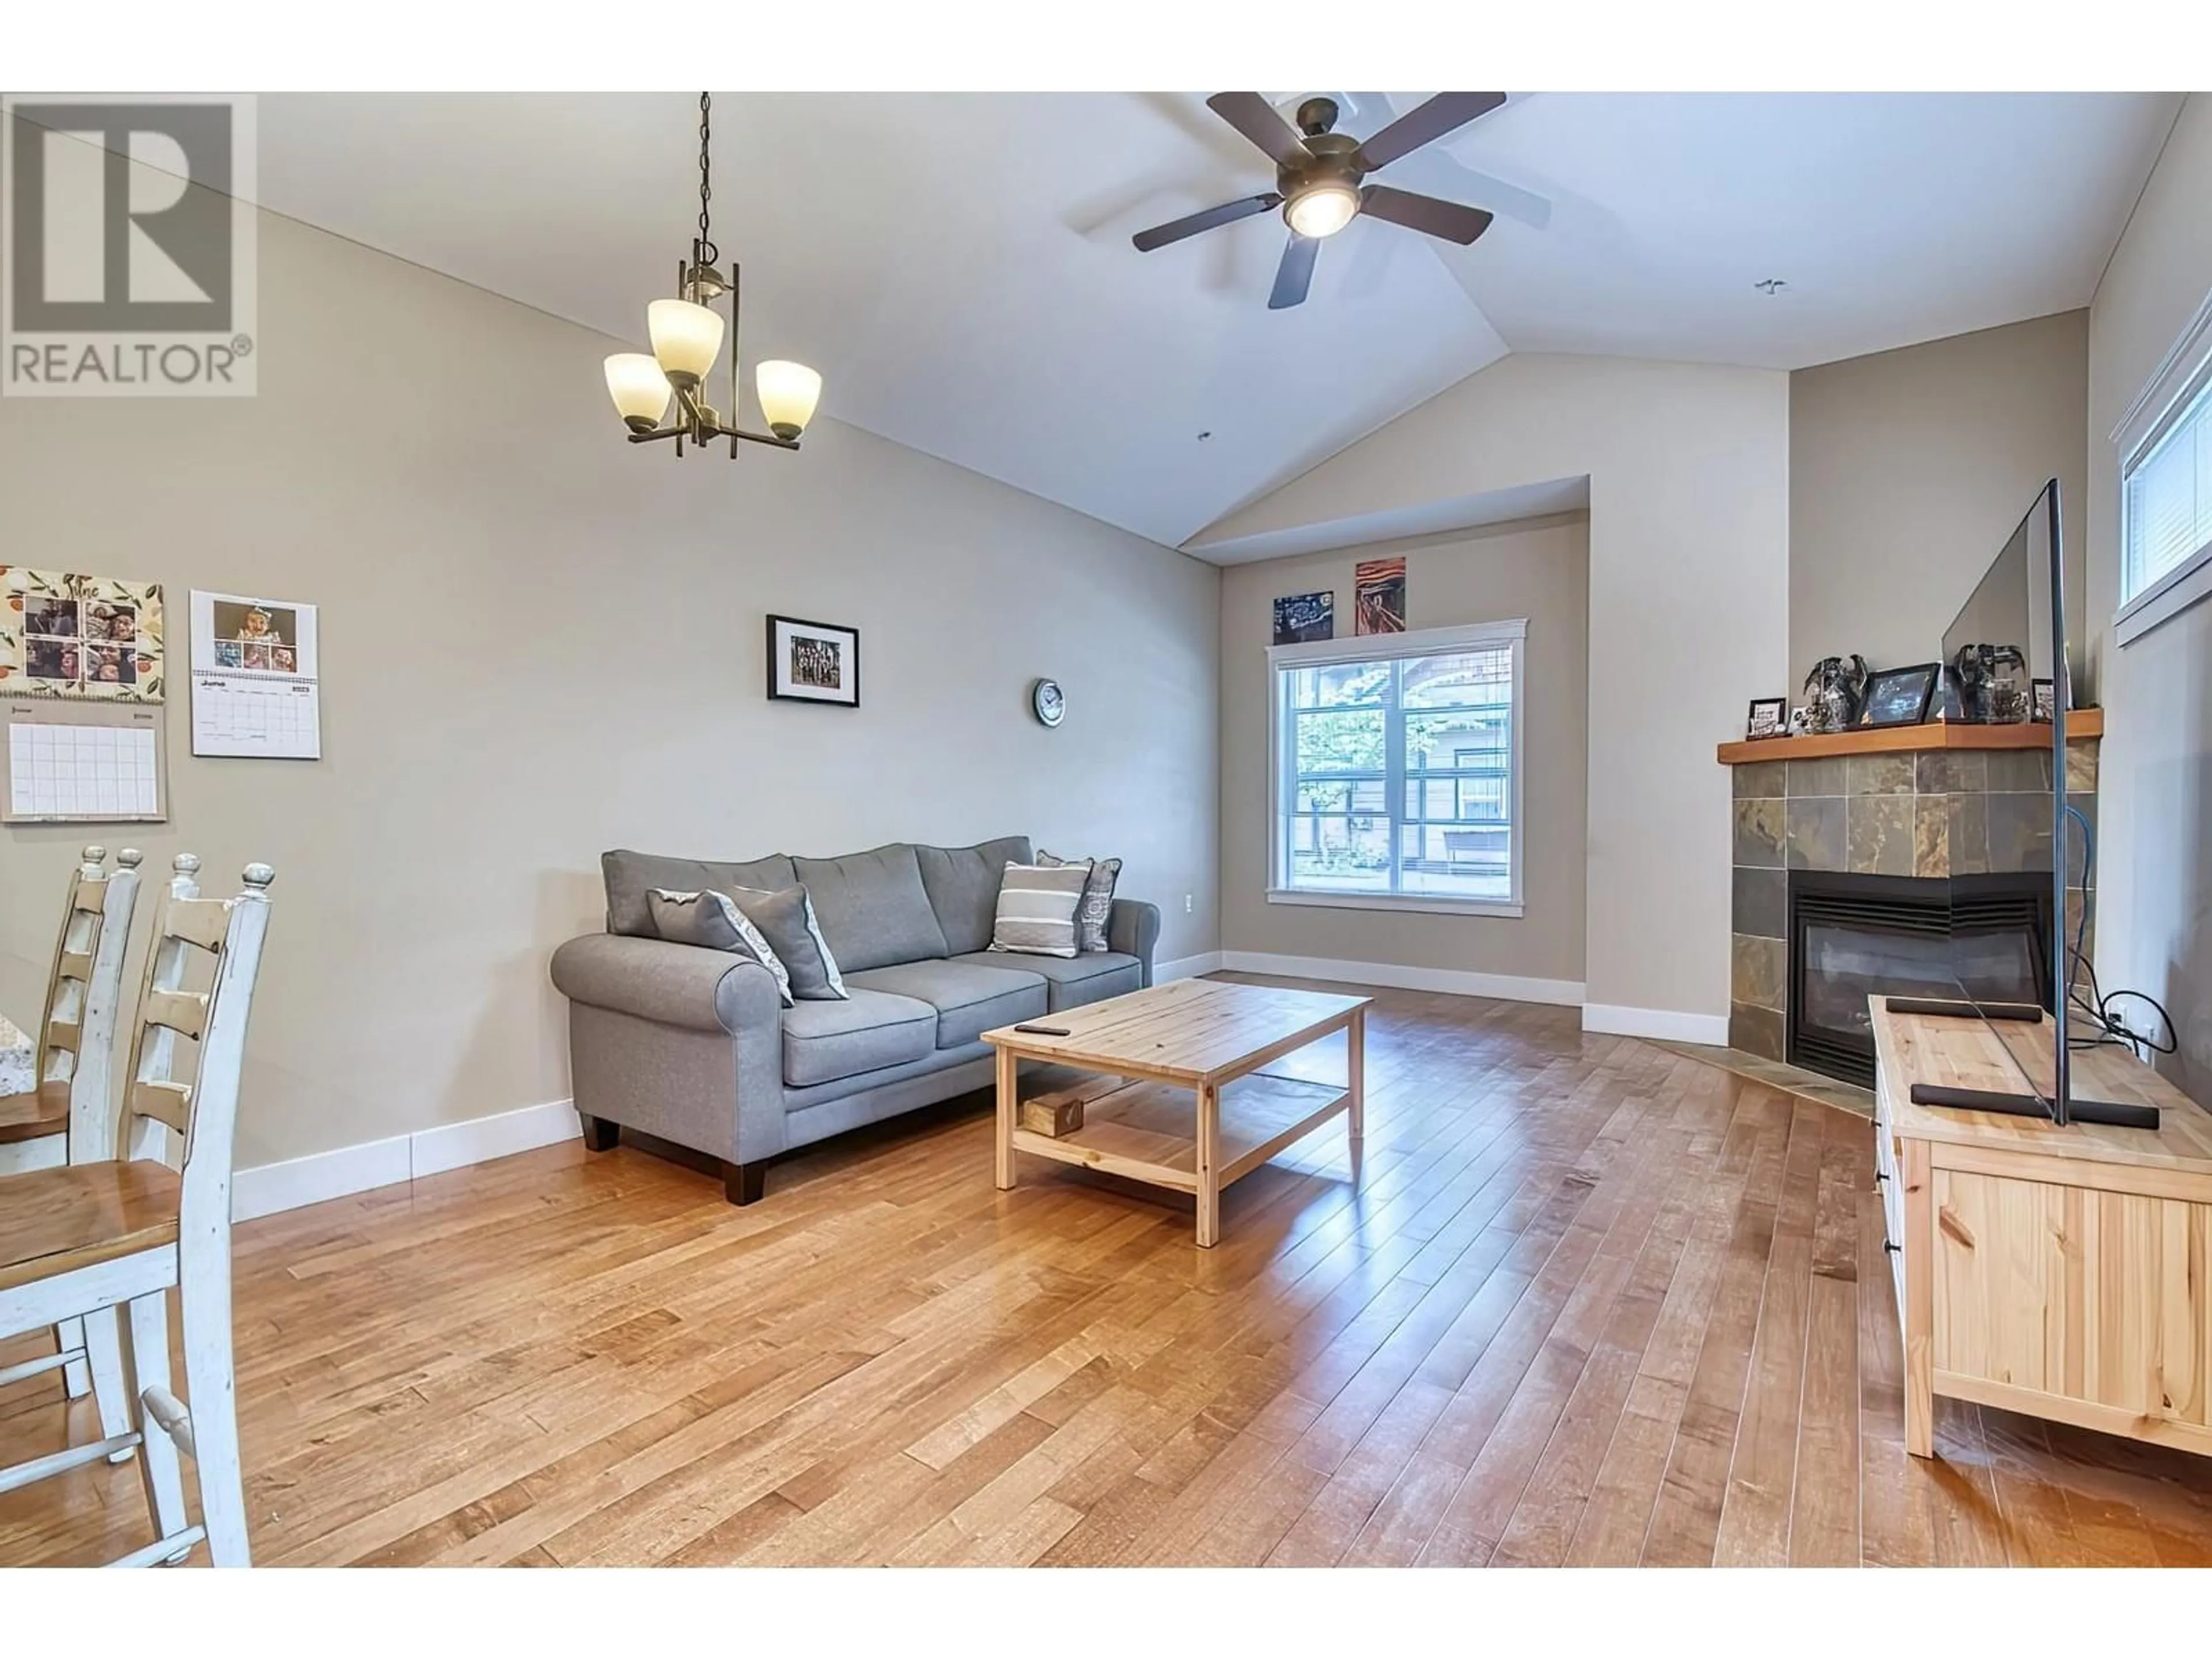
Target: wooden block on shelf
(1053, 1115)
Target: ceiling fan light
(1324, 210)
(640, 390)
(686, 339)
(788, 393)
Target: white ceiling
(958, 266)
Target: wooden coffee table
(1192, 1109)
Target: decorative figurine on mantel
(1835, 692)
(1991, 682)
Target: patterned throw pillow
(1091, 917)
(712, 921)
(1036, 908)
(787, 918)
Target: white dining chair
(67, 1115)
(86, 1239)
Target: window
(1397, 774)
(2166, 492)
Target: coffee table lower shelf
(1147, 1131)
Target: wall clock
(1049, 701)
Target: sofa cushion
(1098, 906)
(631, 877)
(1036, 910)
(1070, 982)
(969, 998)
(712, 921)
(868, 1031)
(872, 906)
(786, 921)
(962, 883)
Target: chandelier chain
(708, 254)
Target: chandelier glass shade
(788, 393)
(639, 388)
(686, 339)
(663, 396)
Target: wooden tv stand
(2067, 1272)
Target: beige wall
(1538, 570)
(1689, 531)
(2154, 789)
(1909, 469)
(539, 642)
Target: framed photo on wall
(813, 662)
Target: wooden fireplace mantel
(2081, 725)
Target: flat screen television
(2013, 627)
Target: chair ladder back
(204, 1205)
(73, 1049)
(57, 1041)
(155, 1104)
(93, 1123)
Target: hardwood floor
(1592, 1302)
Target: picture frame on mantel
(1769, 718)
(1900, 697)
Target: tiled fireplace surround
(1935, 812)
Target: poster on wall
(63, 635)
(1380, 604)
(1302, 617)
(257, 690)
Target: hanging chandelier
(671, 385)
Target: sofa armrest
(1132, 927)
(680, 985)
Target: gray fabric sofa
(690, 1046)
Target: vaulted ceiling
(959, 268)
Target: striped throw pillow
(1036, 908)
(1096, 910)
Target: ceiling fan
(1318, 174)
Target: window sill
(1433, 903)
(2164, 598)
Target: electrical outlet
(1186, 904)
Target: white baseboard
(1509, 988)
(1186, 967)
(346, 1170)
(1668, 1023)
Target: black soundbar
(2117, 1114)
(2026, 1012)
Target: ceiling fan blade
(1227, 214)
(1453, 221)
(1444, 113)
(1257, 120)
(1512, 201)
(1295, 274)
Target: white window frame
(2180, 378)
(1282, 766)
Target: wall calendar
(255, 677)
